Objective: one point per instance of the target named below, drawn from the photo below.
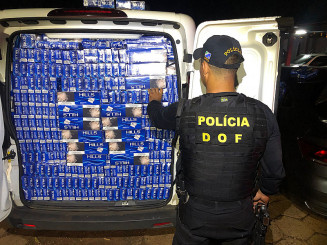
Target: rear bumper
(316, 190)
(92, 221)
(314, 203)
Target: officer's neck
(220, 85)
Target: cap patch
(207, 56)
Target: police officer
(224, 138)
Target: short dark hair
(231, 60)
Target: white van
(57, 64)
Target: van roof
(131, 14)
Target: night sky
(303, 11)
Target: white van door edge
(5, 200)
(260, 41)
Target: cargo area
(78, 107)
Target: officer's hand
(260, 197)
(155, 94)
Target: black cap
(217, 49)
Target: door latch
(10, 155)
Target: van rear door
(260, 41)
(5, 201)
(63, 26)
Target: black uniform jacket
(272, 170)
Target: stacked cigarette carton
(79, 108)
(120, 4)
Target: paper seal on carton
(146, 69)
(147, 55)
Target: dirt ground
(290, 224)
(135, 237)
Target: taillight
(88, 13)
(312, 152)
(322, 155)
(29, 225)
(165, 224)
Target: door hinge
(187, 57)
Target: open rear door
(5, 202)
(260, 41)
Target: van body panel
(93, 220)
(180, 30)
(5, 200)
(257, 76)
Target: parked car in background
(310, 60)
(307, 66)
(302, 117)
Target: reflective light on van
(87, 13)
(300, 32)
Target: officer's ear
(205, 68)
(204, 72)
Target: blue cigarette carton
(120, 159)
(78, 98)
(160, 194)
(137, 182)
(94, 160)
(82, 136)
(142, 193)
(115, 70)
(80, 56)
(136, 193)
(110, 194)
(123, 194)
(94, 148)
(85, 196)
(108, 69)
(138, 5)
(78, 195)
(91, 194)
(116, 194)
(16, 54)
(113, 110)
(79, 123)
(27, 40)
(166, 193)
